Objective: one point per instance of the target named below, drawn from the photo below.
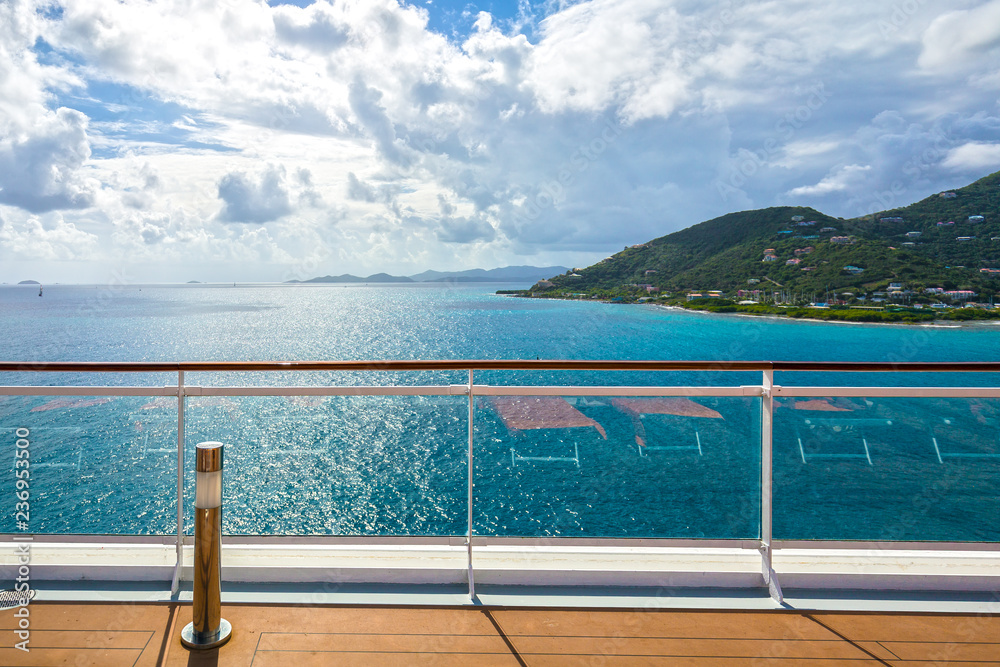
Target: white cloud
(41, 172)
(845, 178)
(41, 150)
(974, 157)
(256, 198)
(960, 38)
(51, 240)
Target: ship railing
(767, 391)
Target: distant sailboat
(39, 290)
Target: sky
(218, 140)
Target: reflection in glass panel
(345, 465)
(96, 464)
(923, 469)
(617, 467)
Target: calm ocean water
(922, 469)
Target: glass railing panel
(89, 464)
(914, 469)
(617, 467)
(339, 465)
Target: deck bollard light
(208, 629)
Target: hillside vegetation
(904, 245)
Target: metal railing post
(766, 483)
(175, 584)
(208, 629)
(472, 578)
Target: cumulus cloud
(316, 28)
(255, 198)
(974, 157)
(54, 239)
(41, 172)
(959, 38)
(465, 230)
(375, 121)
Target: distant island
(519, 274)
(938, 258)
(29, 282)
(348, 278)
(194, 282)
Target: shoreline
(933, 324)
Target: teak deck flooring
(123, 634)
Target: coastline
(934, 324)
(928, 323)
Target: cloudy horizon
(170, 141)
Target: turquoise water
(397, 465)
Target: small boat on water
(39, 290)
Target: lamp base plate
(190, 641)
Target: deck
(144, 634)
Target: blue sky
(246, 140)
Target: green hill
(903, 245)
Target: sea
(923, 469)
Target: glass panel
(95, 464)
(351, 465)
(922, 469)
(617, 467)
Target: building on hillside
(948, 195)
(650, 272)
(803, 251)
(853, 270)
(914, 235)
(798, 218)
(965, 238)
(793, 261)
(960, 294)
(946, 223)
(842, 239)
(976, 218)
(891, 218)
(828, 229)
